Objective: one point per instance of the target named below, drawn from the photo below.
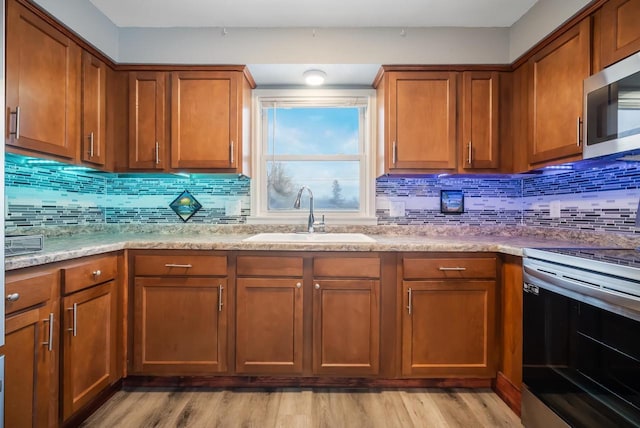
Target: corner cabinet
(448, 316)
(42, 72)
(480, 122)
(147, 120)
(555, 84)
(180, 314)
(620, 32)
(94, 110)
(417, 124)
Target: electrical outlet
(233, 208)
(554, 209)
(396, 209)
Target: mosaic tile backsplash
(603, 198)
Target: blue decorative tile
(185, 205)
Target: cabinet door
(422, 121)
(180, 325)
(89, 345)
(30, 398)
(557, 74)
(269, 325)
(448, 328)
(480, 121)
(346, 327)
(42, 85)
(620, 30)
(94, 109)
(205, 115)
(147, 145)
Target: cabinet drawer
(346, 267)
(28, 290)
(88, 273)
(269, 266)
(180, 265)
(449, 268)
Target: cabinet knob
(97, 273)
(317, 286)
(13, 297)
(298, 285)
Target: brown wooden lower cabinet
(448, 328)
(269, 326)
(88, 345)
(346, 327)
(180, 325)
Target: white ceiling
(308, 13)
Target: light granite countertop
(396, 238)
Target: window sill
(330, 220)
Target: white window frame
(259, 212)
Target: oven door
(580, 362)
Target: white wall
(544, 17)
(329, 45)
(86, 20)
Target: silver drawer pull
(409, 300)
(299, 285)
(220, 289)
(173, 265)
(16, 113)
(74, 314)
(454, 269)
(96, 273)
(13, 297)
(49, 342)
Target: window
(318, 139)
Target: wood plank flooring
(295, 407)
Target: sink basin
(310, 237)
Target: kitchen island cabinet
(31, 349)
(556, 74)
(42, 84)
(89, 323)
(180, 314)
(448, 316)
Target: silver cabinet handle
(49, 342)
(410, 300)
(578, 126)
(74, 329)
(470, 154)
(394, 153)
(96, 273)
(91, 145)
(298, 285)
(455, 269)
(13, 297)
(173, 265)
(231, 152)
(220, 289)
(17, 115)
(157, 153)
(317, 286)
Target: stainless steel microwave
(612, 109)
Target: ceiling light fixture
(314, 77)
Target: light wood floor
(285, 408)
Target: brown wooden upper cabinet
(42, 71)
(556, 76)
(418, 121)
(94, 110)
(480, 120)
(147, 120)
(620, 32)
(205, 126)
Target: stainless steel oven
(581, 338)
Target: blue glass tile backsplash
(603, 198)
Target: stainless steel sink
(311, 238)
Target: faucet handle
(320, 226)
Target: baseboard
(300, 382)
(82, 414)
(509, 393)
